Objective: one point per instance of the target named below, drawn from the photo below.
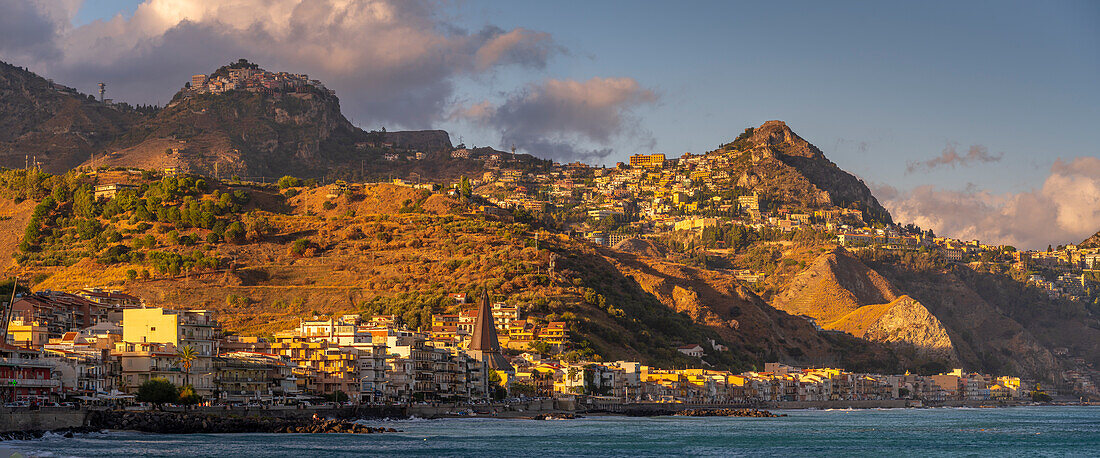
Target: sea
(1014, 431)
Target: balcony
(29, 382)
(21, 362)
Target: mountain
(262, 124)
(785, 167)
(1091, 242)
(246, 121)
(53, 124)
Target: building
(647, 160)
(27, 334)
(198, 80)
(749, 204)
(25, 376)
(693, 350)
(144, 361)
(176, 329)
(484, 346)
(244, 376)
(109, 191)
(112, 298)
(59, 312)
(320, 367)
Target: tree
(464, 187)
(496, 386)
(188, 396)
(158, 391)
(187, 356)
(288, 181)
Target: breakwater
(188, 423)
(726, 413)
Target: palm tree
(187, 355)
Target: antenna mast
(102, 91)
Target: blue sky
(903, 81)
(880, 87)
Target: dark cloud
(1065, 210)
(27, 31)
(553, 119)
(392, 62)
(949, 156)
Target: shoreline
(35, 424)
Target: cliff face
(240, 132)
(790, 168)
(908, 323)
(54, 124)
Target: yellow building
(555, 333)
(29, 334)
(647, 160)
(178, 328)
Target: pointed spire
(485, 331)
(483, 343)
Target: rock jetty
(185, 423)
(727, 413)
(37, 434)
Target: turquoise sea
(1019, 431)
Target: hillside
(786, 168)
(264, 261)
(1091, 242)
(843, 294)
(54, 124)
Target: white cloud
(1065, 210)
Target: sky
(975, 119)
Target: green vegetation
(158, 391)
(69, 224)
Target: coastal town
(101, 347)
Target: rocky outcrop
(189, 423)
(908, 323)
(794, 170)
(834, 285)
(727, 413)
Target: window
(153, 328)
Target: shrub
(288, 181)
(157, 391)
(299, 247)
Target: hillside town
(95, 346)
(250, 77)
(652, 196)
